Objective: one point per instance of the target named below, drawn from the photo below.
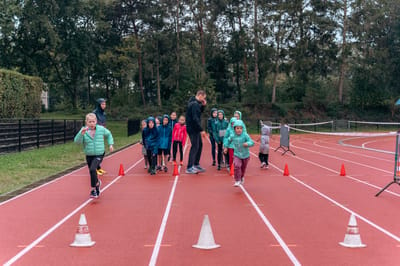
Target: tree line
(323, 54)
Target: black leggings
(175, 146)
(93, 162)
(263, 158)
(152, 158)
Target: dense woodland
(321, 57)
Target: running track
(271, 220)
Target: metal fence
(23, 134)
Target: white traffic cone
(206, 238)
(352, 238)
(82, 236)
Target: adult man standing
(195, 131)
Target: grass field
(18, 170)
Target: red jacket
(179, 133)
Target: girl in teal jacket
(92, 137)
(219, 130)
(241, 142)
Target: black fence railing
(23, 134)
(133, 126)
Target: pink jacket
(179, 133)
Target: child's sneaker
(159, 168)
(213, 164)
(262, 165)
(237, 183)
(266, 166)
(98, 187)
(219, 167)
(165, 169)
(93, 194)
(153, 172)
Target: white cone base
(352, 241)
(82, 240)
(207, 247)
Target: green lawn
(18, 170)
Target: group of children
(230, 139)
(158, 133)
(232, 143)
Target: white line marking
(272, 229)
(164, 221)
(340, 205)
(52, 229)
(55, 180)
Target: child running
(165, 135)
(179, 135)
(92, 137)
(241, 142)
(264, 145)
(150, 140)
(229, 146)
(146, 160)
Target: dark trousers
(212, 140)
(195, 150)
(175, 146)
(263, 158)
(152, 158)
(220, 153)
(93, 162)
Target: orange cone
(342, 171)
(232, 172)
(175, 173)
(286, 171)
(121, 170)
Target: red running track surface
(295, 219)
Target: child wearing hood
(144, 153)
(264, 145)
(150, 140)
(229, 146)
(165, 138)
(210, 125)
(241, 142)
(219, 131)
(101, 120)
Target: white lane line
(164, 221)
(52, 229)
(386, 232)
(282, 243)
(55, 180)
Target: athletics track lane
(311, 225)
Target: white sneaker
(237, 183)
(262, 165)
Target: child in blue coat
(165, 139)
(150, 140)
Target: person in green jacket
(92, 137)
(228, 147)
(219, 129)
(241, 142)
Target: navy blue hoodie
(150, 136)
(193, 116)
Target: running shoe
(191, 170)
(93, 194)
(237, 183)
(199, 169)
(98, 188)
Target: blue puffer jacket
(94, 146)
(150, 137)
(165, 135)
(238, 141)
(229, 133)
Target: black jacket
(193, 116)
